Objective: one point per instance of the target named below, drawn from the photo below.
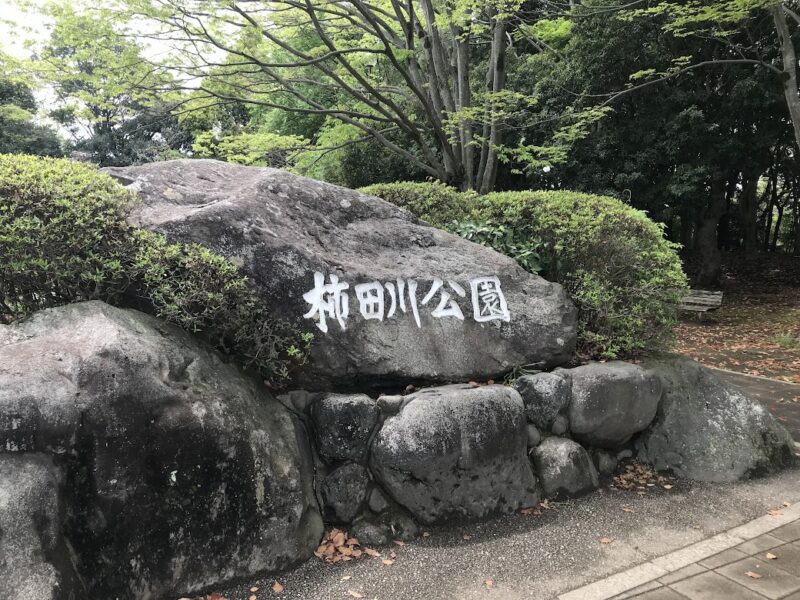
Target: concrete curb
(656, 568)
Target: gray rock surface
(534, 437)
(282, 228)
(343, 424)
(378, 530)
(564, 467)
(611, 402)
(560, 425)
(605, 462)
(709, 431)
(30, 531)
(343, 492)
(456, 451)
(546, 396)
(377, 501)
(179, 472)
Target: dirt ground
(757, 329)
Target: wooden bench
(701, 301)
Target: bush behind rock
(64, 239)
(619, 269)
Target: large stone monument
(390, 299)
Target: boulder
(456, 451)
(33, 558)
(611, 402)
(390, 298)
(343, 492)
(343, 424)
(179, 472)
(377, 501)
(710, 431)
(560, 425)
(605, 462)
(564, 468)
(546, 396)
(377, 530)
(534, 437)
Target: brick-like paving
(726, 576)
(756, 561)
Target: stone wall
(160, 469)
(135, 462)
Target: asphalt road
(530, 557)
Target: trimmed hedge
(624, 276)
(63, 239)
(434, 202)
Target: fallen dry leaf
(753, 575)
(787, 504)
(252, 597)
(488, 583)
(467, 536)
(388, 562)
(775, 512)
(627, 509)
(531, 510)
(347, 577)
(277, 587)
(605, 540)
(254, 589)
(371, 552)
(399, 543)
(216, 596)
(770, 556)
(355, 594)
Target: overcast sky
(17, 26)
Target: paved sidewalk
(755, 561)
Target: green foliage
(259, 148)
(520, 241)
(18, 131)
(624, 277)
(434, 202)
(64, 238)
(787, 341)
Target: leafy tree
(19, 133)
(104, 91)
(428, 81)
(721, 21)
(687, 145)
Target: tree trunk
(776, 235)
(748, 211)
(789, 69)
(772, 193)
(706, 237)
(499, 45)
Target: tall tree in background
(103, 91)
(19, 133)
(427, 80)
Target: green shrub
(434, 202)
(63, 238)
(624, 276)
